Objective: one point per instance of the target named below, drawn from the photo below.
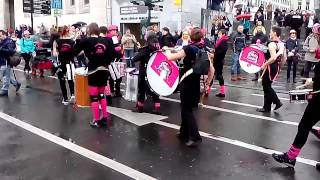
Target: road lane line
(261, 95)
(241, 104)
(78, 149)
(239, 143)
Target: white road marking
(139, 119)
(261, 95)
(54, 77)
(78, 149)
(241, 104)
(239, 143)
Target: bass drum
(162, 74)
(251, 59)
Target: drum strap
(190, 71)
(100, 68)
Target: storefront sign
(133, 10)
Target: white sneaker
(65, 102)
(72, 99)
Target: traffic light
(177, 2)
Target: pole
(32, 10)
(56, 21)
(149, 15)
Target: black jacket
(220, 52)
(167, 40)
(239, 42)
(263, 38)
(281, 20)
(292, 44)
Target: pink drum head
(251, 59)
(162, 74)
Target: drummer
(143, 56)
(100, 52)
(63, 49)
(271, 69)
(310, 117)
(190, 89)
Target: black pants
(310, 117)
(308, 31)
(307, 68)
(115, 85)
(270, 95)
(292, 61)
(189, 95)
(62, 81)
(218, 66)
(143, 88)
(27, 57)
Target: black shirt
(99, 51)
(65, 47)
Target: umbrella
(240, 5)
(79, 24)
(243, 16)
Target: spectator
(310, 21)
(288, 18)
(276, 14)
(292, 46)
(259, 37)
(216, 26)
(185, 39)
(155, 29)
(246, 25)
(297, 22)
(176, 36)
(7, 49)
(239, 42)
(28, 49)
(281, 19)
(259, 26)
(259, 17)
(226, 24)
(166, 38)
(129, 43)
(269, 11)
(310, 45)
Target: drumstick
(264, 71)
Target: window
(299, 5)
(307, 5)
(72, 2)
(86, 2)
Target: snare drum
(251, 59)
(300, 96)
(81, 88)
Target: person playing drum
(63, 49)
(190, 88)
(100, 52)
(143, 56)
(271, 69)
(310, 117)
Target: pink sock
(157, 105)
(222, 89)
(139, 104)
(95, 111)
(103, 103)
(293, 152)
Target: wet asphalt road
(236, 141)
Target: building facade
(304, 4)
(7, 14)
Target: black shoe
(104, 121)
(181, 138)
(316, 133)
(3, 93)
(278, 106)
(254, 79)
(18, 87)
(109, 100)
(294, 81)
(318, 166)
(262, 110)
(220, 95)
(95, 124)
(118, 95)
(192, 143)
(156, 111)
(284, 159)
(137, 109)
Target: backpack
(201, 64)
(15, 59)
